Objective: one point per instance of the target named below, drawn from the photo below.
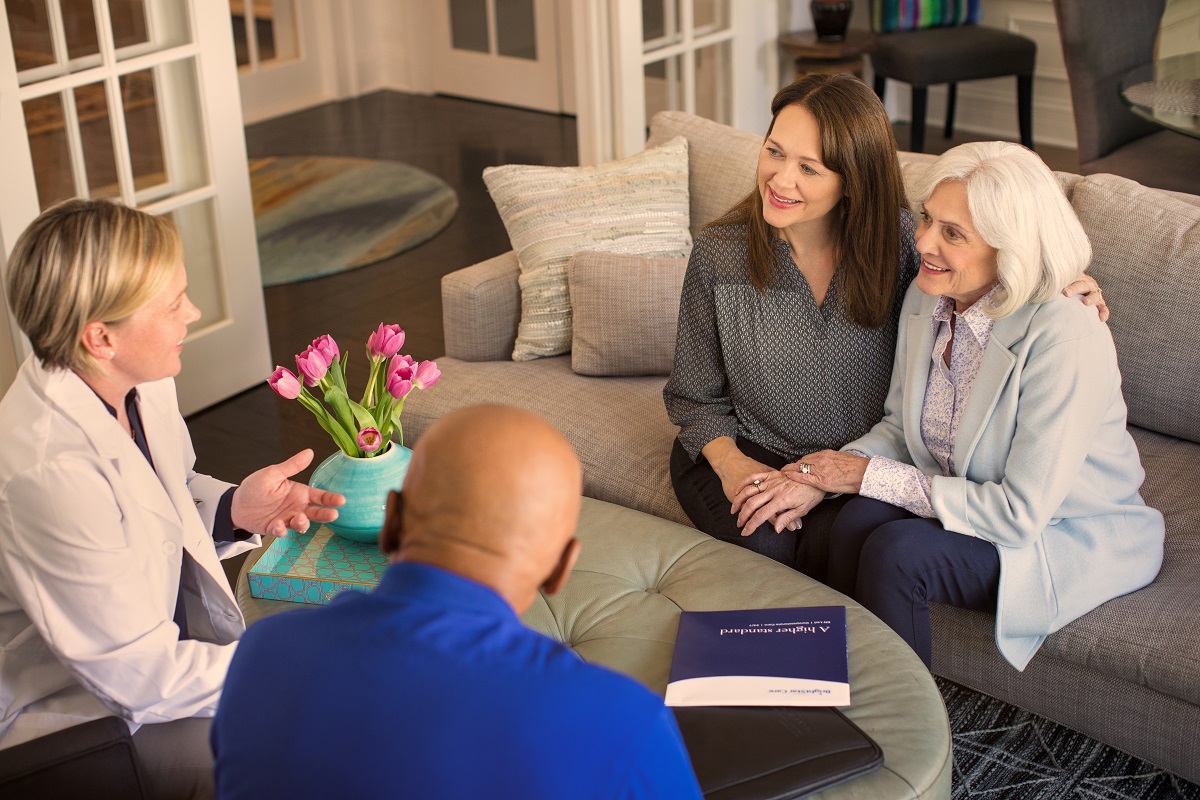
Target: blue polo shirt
(430, 687)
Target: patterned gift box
(315, 567)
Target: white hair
(1018, 208)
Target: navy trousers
(703, 500)
(895, 563)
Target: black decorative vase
(831, 18)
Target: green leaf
(340, 405)
(362, 416)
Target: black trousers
(703, 500)
(896, 563)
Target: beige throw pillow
(635, 206)
(626, 310)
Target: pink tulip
(427, 374)
(398, 386)
(285, 384)
(312, 365)
(385, 342)
(369, 440)
(402, 361)
(327, 347)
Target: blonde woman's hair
(86, 261)
(1018, 208)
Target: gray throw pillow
(626, 309)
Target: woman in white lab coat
(112, 597)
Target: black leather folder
(773, 753)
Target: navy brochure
(761, 657)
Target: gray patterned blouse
(775, 368)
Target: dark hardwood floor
(451, 138)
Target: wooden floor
(451, 138)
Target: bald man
(430, 686)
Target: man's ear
(566, 563)
(392, 531)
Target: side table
(815, 55)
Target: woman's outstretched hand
(769, 497)
(268, 501)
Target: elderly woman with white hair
(1002, 477)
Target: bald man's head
(492, 493)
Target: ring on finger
(804, 468)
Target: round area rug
(317, 215)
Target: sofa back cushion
(1146, 256)
(722, 161)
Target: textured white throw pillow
(636, 206)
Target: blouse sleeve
(697, 393)
(899, 484)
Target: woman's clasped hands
(770, 497)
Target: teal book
(761, 657)
(315, 567)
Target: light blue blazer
(1048, 472)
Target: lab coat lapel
(79, 402)
(994, 371)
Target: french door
(129, 100)
(502, 51)
(286, 53)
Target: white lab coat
(92, 543)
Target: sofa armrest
(481, 306)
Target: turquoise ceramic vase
(365, 482)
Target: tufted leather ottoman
(621, 608)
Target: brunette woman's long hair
(858, 144)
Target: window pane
(95, 134)
(79, 24)
(277, 33)
(128, 22)
(713, 95)
(47, 129)
(198, 229)
(29, 26)
(468, 25)
(142, 129)
(516, 32)
(711, 15)
(136, 32)
(664, 86)
(660, 21)
(172, 159)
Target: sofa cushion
(722, 161)
(618, 426)
(1146, 256)
(625, 310)
(638, 206)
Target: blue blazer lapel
(994, 371)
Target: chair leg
(880, 86)
(920, 98)
(951, 104)
(1025, 108)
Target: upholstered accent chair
(1106, 42)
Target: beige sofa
(1128, 673)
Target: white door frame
(610, 72)
(209, 374)
(323, 70)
